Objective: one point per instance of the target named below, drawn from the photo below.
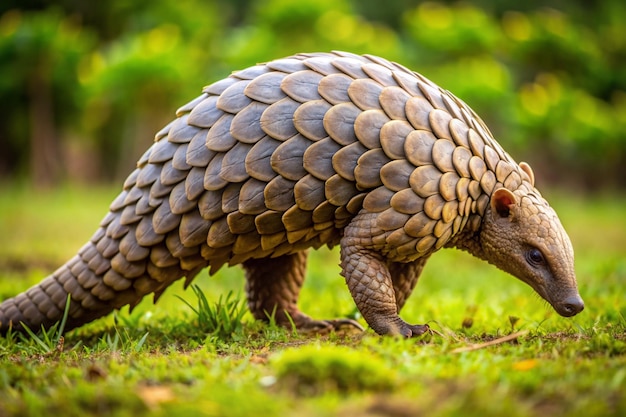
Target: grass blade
(36, 338)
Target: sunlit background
(85, 85)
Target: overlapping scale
(179, 203)
(365, 93)
(212, 175)
(308, 119)
(233, 99)
(439, 122)
(339, 122)
(198, 155)
(418, 111)
(344, 161)
(287, 159)
(334, 88)
(367, 127)
(251, 198)
(218, 87)
(424, 181)
(309, 193)
(352, 66)
(392, 137)
(318, 158)
(432, 93)
(179, 160)
(302, 86)
(169, 176)
(393, 101)
(277, 120)
(252, 72)
(258, 160)
(162, 150)
(378, 199)
(379, 71)
(230, 197)
(193, 229)
(287, 65)
(219, 137)
(339, 191)
(205, 113)
(246, 125)
(266, 87)
(442, 155)
(418, 147)
(194, 183)
(367, 171)
(406, 201)
(232, 169)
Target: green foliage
(42, 45)
(444, 32)
(546, 78)
(283, 27)
(38, 56)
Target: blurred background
(85, 85)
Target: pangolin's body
(301, 152)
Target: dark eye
(534, 257)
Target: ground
(495, 349)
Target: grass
(205, 356)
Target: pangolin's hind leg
(273, 287)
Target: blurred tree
(101, 77)
(135, 82)
(275, 28)
(39, 85)
(569, 88)
(546, 81)
(133, 89)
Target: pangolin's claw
(418, 329)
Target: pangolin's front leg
(369, 278)
(404, 277)
(273, 287)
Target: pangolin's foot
(307, 325)
(395, 326)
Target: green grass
(173, 359)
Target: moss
(316, 369)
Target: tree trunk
(45, 155)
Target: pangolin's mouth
(570, 306)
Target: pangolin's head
(522, 235)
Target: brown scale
(301, 152)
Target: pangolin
(301, 152)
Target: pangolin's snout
(570, 306)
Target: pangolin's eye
(535, 257)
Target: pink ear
(501, 202)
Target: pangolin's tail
(151, 236)
(83, 278)
(109, 272)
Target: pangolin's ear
(529, 171)
(502, 202)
